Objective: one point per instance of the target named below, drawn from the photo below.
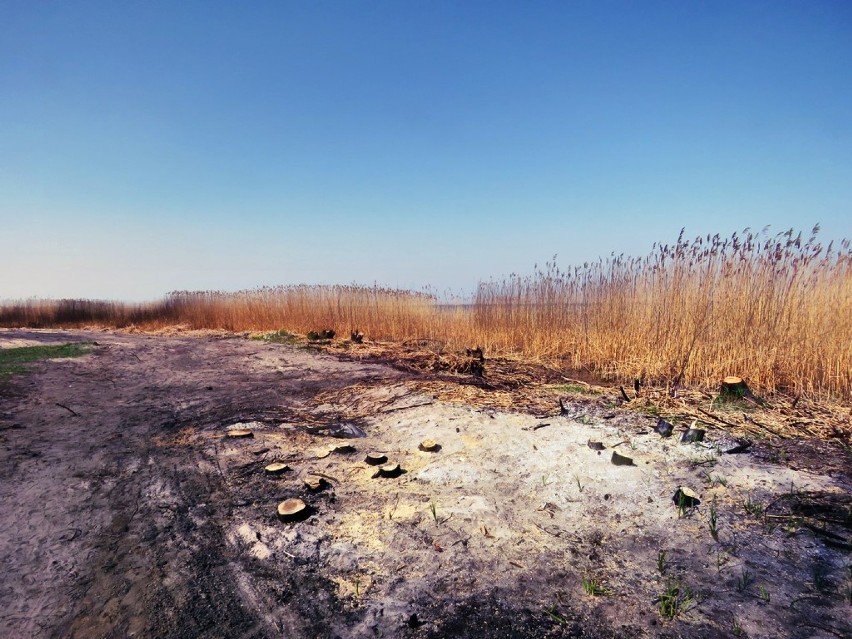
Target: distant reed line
(776, 309)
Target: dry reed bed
(775, 309)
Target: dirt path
(126, 512)
(107, 531)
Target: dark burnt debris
(496, 616)
(664, 428)
(325, 334)
(621, 460)
(692, 435)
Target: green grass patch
(675, 599)
(554, 615)
(650, 410)
(14, 360)
(595, 587)
(278, 337)
(753, 508)
(573, 389)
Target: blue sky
(154, 146)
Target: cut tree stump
(276, 468)
(390, 470)
(734, 388)
(292, 510)
(429, 446)
(375, 459)
(314, 483)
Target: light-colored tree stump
(291, 509)
(734, 388)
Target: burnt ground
(126, 511)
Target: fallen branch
(75, 532)
(716, 417)
(537, 426)
(813, 624)
(324, 476)
(763, 426)
(73, 412)
(390, 410)
(826, 533)
(575, 381)
(544, 530)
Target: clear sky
(159, 145)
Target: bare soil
(127, 511)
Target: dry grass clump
(776, 310)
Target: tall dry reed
(775, 309)
(381, 313)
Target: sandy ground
(126, 511)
